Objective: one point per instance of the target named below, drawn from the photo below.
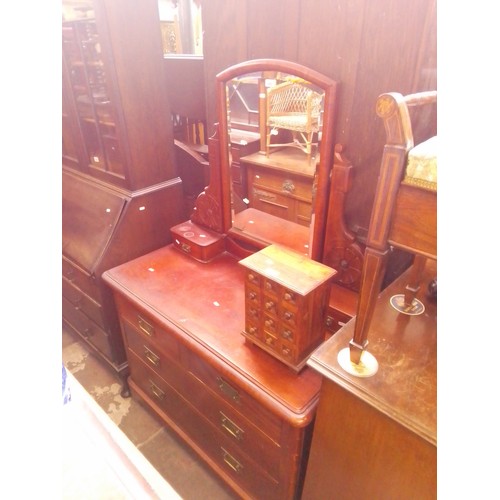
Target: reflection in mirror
(278, 153)
(181, 28)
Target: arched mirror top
(275, 152)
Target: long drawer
(239, 399)
(279, 182)
(217, 447)
(81, 279)
(147, 328)
(89, 330)
(83, 302)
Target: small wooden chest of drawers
(286, 295)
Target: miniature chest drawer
(285, 301)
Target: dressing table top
(204, 305)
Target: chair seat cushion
(421, 168)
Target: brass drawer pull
(228, 390)
(156, 391)
(148, 329)
(153, 358)
(231, 461)
(230, 427)
(288, 186)
(186, 248)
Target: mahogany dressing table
(245, 413)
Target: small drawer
(252, 328)
(253, 279)
(288, 352)
(252, 296)
(290, 298)
(270, 324)
(272, 288)
(239, 399)
(287, 334)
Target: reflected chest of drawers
(286, 295)
(247, 415)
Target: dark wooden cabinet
(114, 95)
(242, 411)
(120, 189)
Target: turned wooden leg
(375, 262)
(413, 285)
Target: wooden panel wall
(369, 47)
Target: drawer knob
(252, 278)
(288, 186)
(289, 297)
(288, 316)
(269, 323)
(185, 247)
(287, 334)
(252, 295)
(270, 305)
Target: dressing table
(248, 415)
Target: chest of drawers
(286, 296)
(243, 412)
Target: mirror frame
(213, 206)
(326, 149)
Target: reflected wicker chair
(295, 107)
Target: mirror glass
(181, 29)
(276, 121)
